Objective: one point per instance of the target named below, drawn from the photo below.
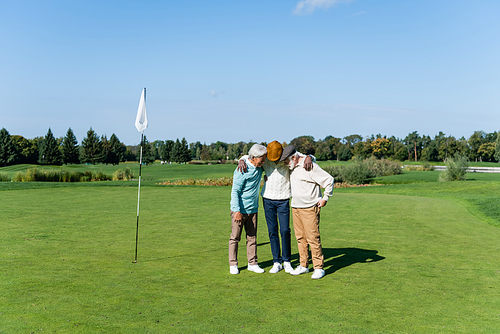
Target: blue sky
(250, 70)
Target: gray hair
(257, 151)
(294, 160)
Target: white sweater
(277, 186)
(306, 186)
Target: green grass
(401, 258)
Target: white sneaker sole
(318, 276)
(297, 274)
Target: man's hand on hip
(321, 203)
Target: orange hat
(274, 150)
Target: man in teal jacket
(244, 209)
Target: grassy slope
(394, 264)
(399, 258)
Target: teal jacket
(245, 191)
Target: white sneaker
(288, 267)
(233, 270)
(255, 268)
(299, 270)
(318, 273)
(276, 268)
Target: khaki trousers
(306, 226)
(249, 222)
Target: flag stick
(141, 123)
(138, 199)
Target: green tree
(129, 154)
(323, 151)
(148, 155)
(49, 151)
(205, 153)
(414, 145)
(400, 151)
(381, 147)
(462, 146)
(358, 149)
(352, 140)
(344, 153)
(8, 152)
(304, 144)
(185, 153)
(333, 145)
(116, 150)
(490, 137)
(91, 151)
(106, 149)
(156, 146)
(195, 149)
(166, 150)
(70, 151)
(448, 147)
(486, 151)
(176, 151)
(497, 147)
(27, 149)
(234, 151)
(180, 151)
(475, 141)
(430, 152)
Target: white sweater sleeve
(324, 179)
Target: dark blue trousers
(278, 210)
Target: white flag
(141, 121)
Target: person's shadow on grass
(335, 258)
(338, 258)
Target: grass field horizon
(410, 257)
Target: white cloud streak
(359, 13)
(214, 93)
(305, 7)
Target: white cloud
(359, 13)
(308, 6)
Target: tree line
(49, 150)
(480, 146)
(15, 149)
(94, 149)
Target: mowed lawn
(395, 263)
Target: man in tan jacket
(307, 202)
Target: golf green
(394, 264)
